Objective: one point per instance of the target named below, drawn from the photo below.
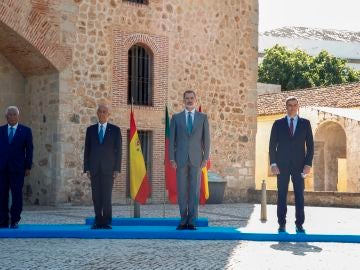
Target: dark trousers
(188, 186)
(283, 184)
(13, 181)
(101, 187)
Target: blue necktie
(189, 123)
(101, 134)
(11, 134)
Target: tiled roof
(337, 96)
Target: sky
(327, 14)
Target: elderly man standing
(15, 163)
(102, 164)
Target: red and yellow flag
(204, 182)
(139, 184)
(170, 172)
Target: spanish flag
(204, 183)
(170, 172)
(139, 184)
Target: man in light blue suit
(189, 152)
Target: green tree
(297, 69)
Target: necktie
(101, 134)
(189, 123)
(292, 126)
(11, 134)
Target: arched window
(140, 76)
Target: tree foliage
(294, 69)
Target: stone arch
(330, 145)
(39, 36)
(30, 80)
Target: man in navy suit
(102, 164)
(15, 163)
(289, 157)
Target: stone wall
(209, 46)
(42, 93)
(12, 90)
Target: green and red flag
(170, 172)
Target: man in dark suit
(16, 153)
(102, 164)
(289, 157)
(189, 152)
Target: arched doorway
(330, 156)
(29, 81)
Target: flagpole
(164, 188)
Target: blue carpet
(201, 222)
(165, 232)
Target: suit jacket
(194, 146)
(105, 157)
(18, 155)
(289, 151)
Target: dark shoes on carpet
(186, 227)
(181, 227)
(282, 229)
(97, 227)
(13, 225)
(300, 229)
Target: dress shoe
(95, 227)
(282, 229)
(181, 227)
(14, 225)
(300, 229)
(106, 227)
(191, 227)
(4, 225)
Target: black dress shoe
(4, 225)
(181, 227)
(191, 227)
(106, 227)
(282, 229)
(300, 229)
(95, 227)
(14, 225)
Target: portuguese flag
(170, 172)
(204, 182)
(139, 184)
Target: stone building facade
(59, 59)
(334, 113)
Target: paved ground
(175, 254)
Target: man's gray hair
(102, 105)
(12, 108)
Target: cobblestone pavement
(185, 254)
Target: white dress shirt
(104, 127)
(296, 118)
(14, 127)
(187, 115)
